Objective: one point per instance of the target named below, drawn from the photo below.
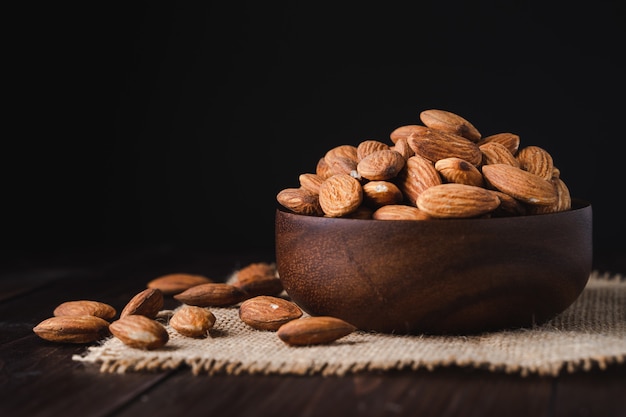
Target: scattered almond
(85, 307)
(314, 330)
(174, 283)
(192, 321)
(139, 332)
(268, 312)
(72, 329)
(214, 294)
(146, 303)
(259, 278)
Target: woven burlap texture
(590, 334)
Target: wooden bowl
(452, 276)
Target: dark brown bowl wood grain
(452, 276)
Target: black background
(171, 124)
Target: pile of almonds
(442, 168)
(255, 289)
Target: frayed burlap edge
(576, 340)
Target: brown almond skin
(520, 184)
(457, 201)
(510, 140)
(369, 146)
(300, 201)
(417, 175)
(174, 283)
(314, 330)
(435, 145)
(341, 159)
(85, 307)
(192, 321)
(258, 278)
(459, 171)
(72, 329)
(509, 206)
(405, 131)
(563, 201)
(311, 182)
(402, 147)
(536, 160)
(146, 303)
(381, 193)
(447, 121)
(381, 165)
(340, 195)
(497, 153)
(268, 312)
(399, 212)
(139, 332)
(322, 168)
(213, 294)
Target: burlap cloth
(590, 334)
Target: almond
(520, 184)
(146, 303)
(402, 147)
(510, 140)
(174, 283)
(509, 206)
(85, 308)
(192, 321)
(381, 165)
(417, 175)
(536, 160)
(300, 201)
(314, 330)
(435, 145)
(311, 182)
(322, 168)
(139, 332)
(258, 278)
(267, 312)
(406, 131)
(457, 201)
(497, 153)
(381, 193)
(72, 329)
(562, 203)
(447, 121)
(340, 195)
(212, 294)
(367, 147)
(342, 159)
(399, 212)
(459, 171)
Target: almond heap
(442, 168)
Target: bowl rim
(577, 205)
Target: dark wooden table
(39, 378)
